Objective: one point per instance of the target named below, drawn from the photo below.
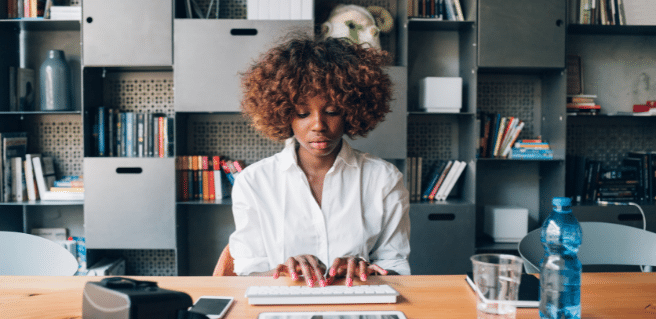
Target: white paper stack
(66, 13)
(280, 9)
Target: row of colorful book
(206, 178)
(31, 176)
(132, 134)
(436, 9)
(435, 182)
(498, 134)
(634, 180)
(601, 12)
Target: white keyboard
(303, 295)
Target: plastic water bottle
(560, 269)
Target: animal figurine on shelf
(361, 25)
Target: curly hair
(343, 73)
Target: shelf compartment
(135, 195)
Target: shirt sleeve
(393, 246)
(246, 242)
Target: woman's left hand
(353, 266)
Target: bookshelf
(55, 134)
(531, 86)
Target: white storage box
(506, 224)
(441, 94)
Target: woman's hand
(309, 266)
(353, 266)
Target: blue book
(101, 132)
(129, 134)
(494, 133)
(111, 135)
(439, 167)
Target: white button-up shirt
(364, 212)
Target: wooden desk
(603, 295)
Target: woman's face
(318, 127)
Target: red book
(160, 138)
(206, 178)
(440, 181)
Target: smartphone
(214, 307)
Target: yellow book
(502, 128)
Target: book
(204, 171)
(458, 9)
(67, 189)
(48, 170)
(445, 184)
(30, 182)
(17, 180)
(140, 134)
(645, 171)
(69, 181)
(496, 121)
(210, 182)
(26, 86)
(440, 180)
(452, 182)
(129, 135)
(486, 124)
(435, 175)
(45, 192)
(14, 144)
(513, 137)
(412, 175)
(221, 184)
(101, 138)
(418, 179)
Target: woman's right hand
(309, 266)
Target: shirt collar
(289, 159)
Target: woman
(319, 202)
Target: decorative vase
(55, 82)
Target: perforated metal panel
(228, 135)
(432, 138)
(150, 262)
(58, 136)
(512, 95)
(143, 92)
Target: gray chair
(29, 255)
(602, 244)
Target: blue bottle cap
(562, 201)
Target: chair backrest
(225, 266)
(28, 255)
(601, 244)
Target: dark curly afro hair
(343, 73)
